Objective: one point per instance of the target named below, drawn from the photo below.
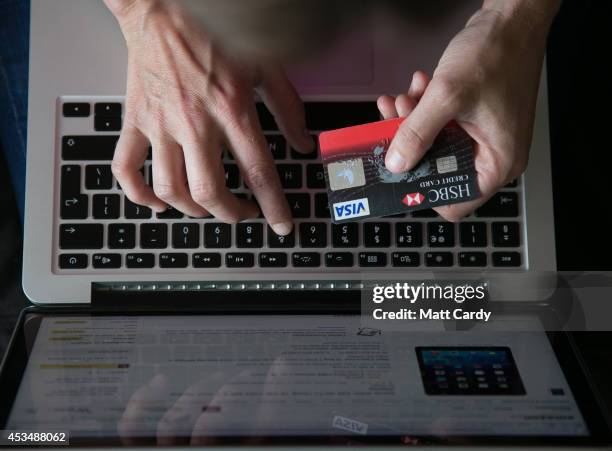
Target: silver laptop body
(77, 55)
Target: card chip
(346, 174)
(446, 164)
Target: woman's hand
(487, 80)
(188, 99)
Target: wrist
(127, 11)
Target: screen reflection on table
(197, 379)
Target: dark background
(580, 104)
(580, 96)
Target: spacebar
(92, 147)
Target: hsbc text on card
(356, 176)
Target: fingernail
(160, 209)
(282, 228)
(411, 88)
(395, 162)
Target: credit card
(359, 186)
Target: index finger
(257, 167)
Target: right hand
(187, 99)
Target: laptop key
(153, 236)
(471, 259)
(377, 234)
(109, 261)
(299, 203)
(173, 260)
(406, 259)
(239, 260)
(135, 211)
(140, 260)
(439, 259)
(70, 181)
(185, 235)
(315, 177)
(107, 109)
(313, 234)
(501, 205)
(473, 234)
(76, 109)
(232, 176)
(217, 235)
(121, 236)
(345, 235)
(506, 259)
(441, 234)
(249, 235)
(306, 259)
(277, 146)
(321, 206)
(90, 147)
(106, 206)
(372, 259)
(290, 175)
(338, 259)
(206, 260)
(272, 259)
(73, 261)
(98, 176)
(81, 236)
(280, 241)
(170, 213)
(74, 206)
(505, 234)
(409, 234)
(107, 124)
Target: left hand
(487, 80)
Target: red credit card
(359, 186)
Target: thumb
(417, 132)
(285, 104)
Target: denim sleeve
(14, 51)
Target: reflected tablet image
(469, 371)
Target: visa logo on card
(351, 209)
(360, 186)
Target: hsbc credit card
(359, 186)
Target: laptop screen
(196, 377)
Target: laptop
(81, 231)
(133, 378)
(167, 330)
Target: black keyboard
(99, 229)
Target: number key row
(311, 235)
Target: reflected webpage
(287, 375)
